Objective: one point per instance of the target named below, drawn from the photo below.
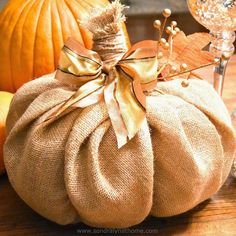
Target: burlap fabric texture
(72, 170)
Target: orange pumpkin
(5, 100)
(32, 33)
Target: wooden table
(216, 216)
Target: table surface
(216, 216)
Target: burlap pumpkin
(72, 169)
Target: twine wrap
(105, 25)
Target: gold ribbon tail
(114, 112)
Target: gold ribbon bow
(121, 85)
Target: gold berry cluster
(167, 44)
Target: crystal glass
(219, 16)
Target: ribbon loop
(120, 85)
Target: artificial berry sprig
(166, 61)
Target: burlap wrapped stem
(71, 169)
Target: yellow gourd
(5, 100)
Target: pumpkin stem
(106, 27)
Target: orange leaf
(188, 50)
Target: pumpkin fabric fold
(71, 169)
